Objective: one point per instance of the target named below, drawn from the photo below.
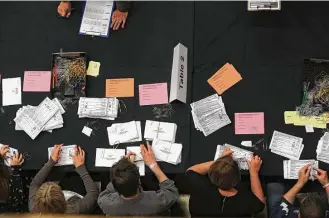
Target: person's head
(49, 199)
(125, 178)
(4, 189)
(312, 206)
(224, 173)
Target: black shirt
(206, 200)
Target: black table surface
(267, 48)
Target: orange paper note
(224, 78)
(120, 87)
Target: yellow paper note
(289, 116)
(93, 68)
(315, 121)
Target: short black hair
(312, 207)
(125, 177)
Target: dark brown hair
(4, 177)
(312, 207)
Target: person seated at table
(216, 190)
(281, 204)
(49, 197)
(119, 16)
(124, 195)
(12, 197)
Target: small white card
(246, 144)
(11, 91)
(309, 128)
(137, 151)
(87, 131)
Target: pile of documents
(160, 130)
(44, 117)
(167, 152)
(209, 114)
(107, 157)
(241, 156)
(286, 145)
(322, 150)
(66, 155)
(139, 162)
(102, 108)
(291, 168)
(10, 154)
(293, 117)
(125, 132)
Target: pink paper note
(151, 94)
(249, 123)
(36, 81)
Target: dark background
(267, 48)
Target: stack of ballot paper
(102, 108)
(10, 154)
(293, 117)
(125, 132)
(241, 156)
(167, 151)
(291, 168)
(286, 145)
(139, 162)
(322, 150)
(44, 117)
(209, 114)
(108, 157)
(66, 155)
(160, 130)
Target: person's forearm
(290, 196)
(327, 191)
(201, 168)
(159, 174)
(256, 186)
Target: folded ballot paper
(10, 154)
(209, 114)
(125, 132)
(291, 168)
(44, 117)
(139, 162)
(160, 130)
(167, 152)
(241, 156)
(322, 150)
(98, 108)
(107, 157)
(67, 154)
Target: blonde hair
(49, 199)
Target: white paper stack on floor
(108, 157)
(98, 108)
(44, 117)
(160, 130)
(322, 150)
(67, 154)
(10, 154)
(139, 162)
(241, 156)
(209, 114)
(286, 145)
(291, 168)
(125, 132)
(167, 151)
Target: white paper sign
(178, 85)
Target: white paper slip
(11, 91)
(107, 157)
(141, 167)
(137, 151)
(167, 151)
(59, 105)
(87, 131)
(291, 168)
(124, 132)
(66, 155)
(10, 154)
(98, 108)
(160, 130)
(309, 128)
(241, 156)
(246, 144)
(322, 150)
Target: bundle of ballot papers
(286, 145)
(139, 162)
(167, 152)
(209, 114)
(160, 130)
(9, 155)
(124, 132)
(98, 108)
(66, 155)
(241, 156)
(322, 150)
(44, 117)
(291, 168)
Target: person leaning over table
(124, 196)
(216, 191)
(312, 206)
(49, 197)
(119, 16)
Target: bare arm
(159, 173)
(256, 187)
(290, 196)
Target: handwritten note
(152, 94)
(93, 68)
(249, 123)
(120, 87)
(36, 81)
(224, 78)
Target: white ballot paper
(67, 154)
(291, 168)
(241, 156)
(167, 151)
(10, 154)
(87, 131)
(322, 150)
(107, 157)
(96, 18)
(124, 132)
(160, 130)
(139, 162)
(101, 108)
(209, 114)
(11, 91)
(286, 145)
